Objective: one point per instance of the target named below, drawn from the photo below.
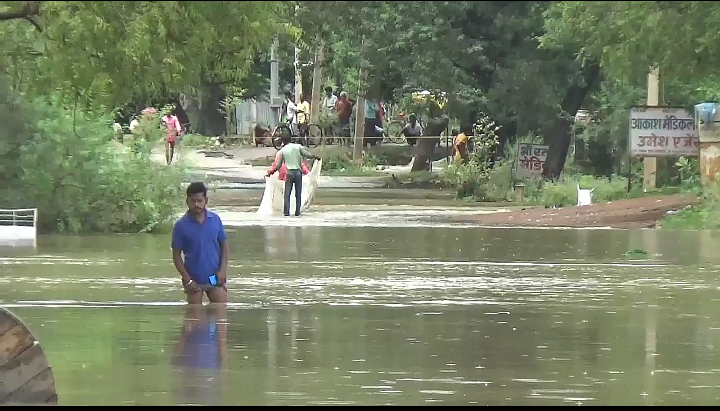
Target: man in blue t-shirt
(199, 236)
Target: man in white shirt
(329, 112)
(134, 123)
(291, 112)
(412, 130)
(330, 100)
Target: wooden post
(359, 127)
(298, 76)
(275, 98)
(360, 108)
(254, 117)
(653, 100)
(317, 83)
(298, 69)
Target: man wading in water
(199, 235)
(291, 155)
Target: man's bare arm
(305, 153)
(180, 266)
(224, 256)
(279, 160)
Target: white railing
(18, 226)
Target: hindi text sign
(663, 132)
(530, 160)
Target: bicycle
(286, 129)
(395, 127)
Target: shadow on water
(374, 316)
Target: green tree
(115, 53)
(64, 162)
(626, 39)
(483, 54)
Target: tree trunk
(298, 76)
(426, 146)
(561, 129)
(206, 115)
(506, 135)
(316, 86)
(360, 108)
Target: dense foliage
(65, 163)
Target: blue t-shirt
(200, 244)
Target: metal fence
(251, 112)
(18, 227)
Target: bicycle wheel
(394, 130)
(315, 135)
(280, 131)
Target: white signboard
(530, 160)
(663, 132)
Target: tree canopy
(114, 51)
(680, 37)
(529, 64)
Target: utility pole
(298, 67)
(316, 85)
(275, 99)
(360, 107)
(653, 100)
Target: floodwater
(384, 314)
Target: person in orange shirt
(460, 146)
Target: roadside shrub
(66, 164)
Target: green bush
(475, 178)
(65, 163)
(149, 131)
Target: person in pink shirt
(173, 131)
(282, 173)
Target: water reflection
(283, 242)
(200, 355)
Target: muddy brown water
(403, 315)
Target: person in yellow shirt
(303, 117)
(460, 146)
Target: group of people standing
(333, 105)
(297, 115)
(338, 107)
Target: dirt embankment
(632, 213)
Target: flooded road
(344, 314)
